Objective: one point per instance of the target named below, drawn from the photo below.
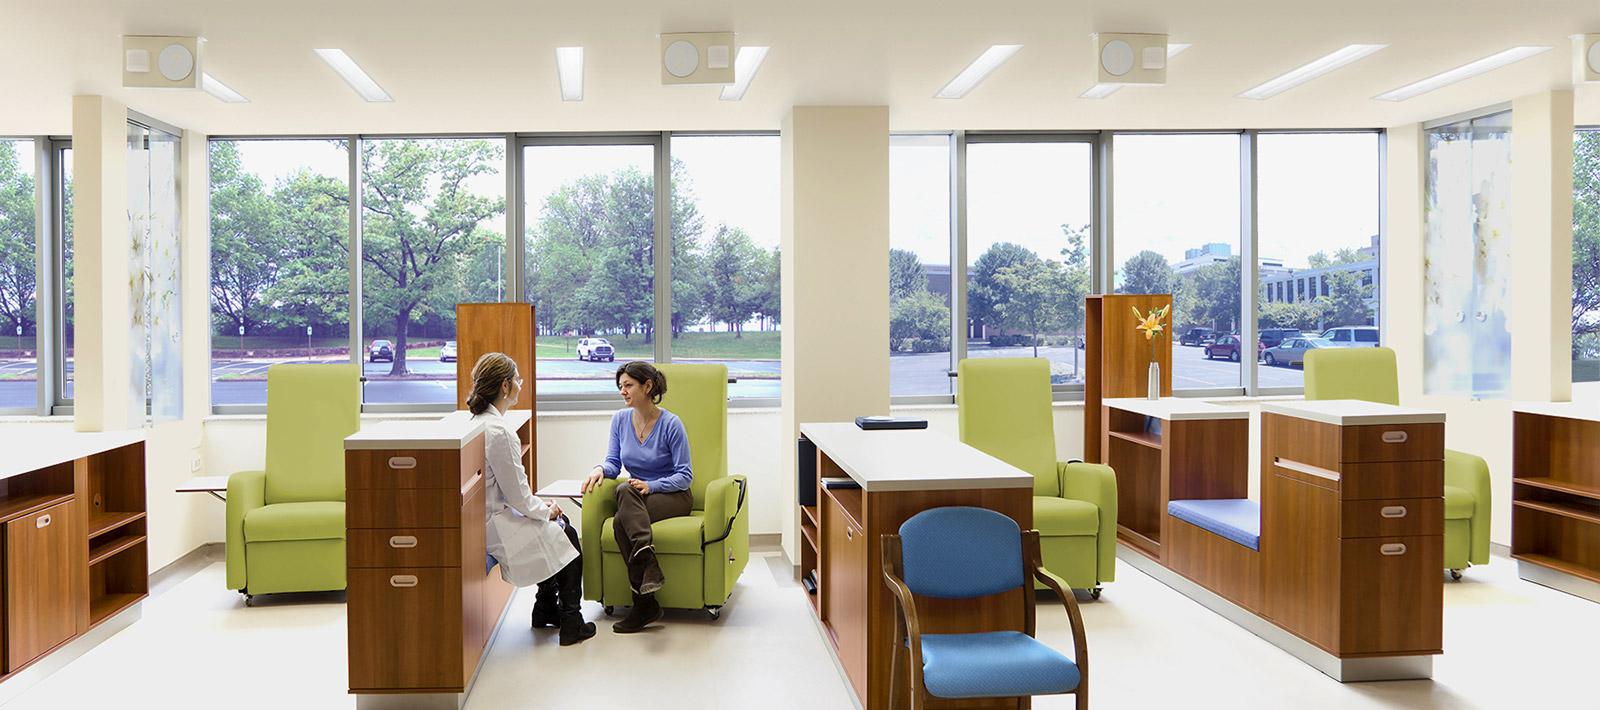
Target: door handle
(1395, 437)
(403, 541)
(402, 462)
(43, 521)
(403, 580)
(849, 534)
(1393, 511)
(1393, 548)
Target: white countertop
(24, 448)
(1353, 412)
(911, 459)
(1176, 408)
(451, 433)
(1589, 411)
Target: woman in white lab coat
(533, 542)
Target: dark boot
(545, 613)
(645, 612)
(574, 629)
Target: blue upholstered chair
(966, 553)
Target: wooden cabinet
(844, 579)
(1117, 358)
(405, 628)
(39, 601)
(1555, 507)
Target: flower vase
(1153, 392)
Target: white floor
(1508, 644)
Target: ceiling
(489, 65)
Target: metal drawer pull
(402, 541)
(1393, 548)
(1395, 437)
(1393, 511)
(410, 580)
(400, 462)
(43, 521)
(849, 534)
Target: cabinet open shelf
(18, 506)
(1587, 514)
(1142, 438)
(1560, 565)
(1568, 487)
(809, 512)
(106, 547)
(103, 523)
(809, 531)
(104, 606)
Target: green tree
(688, 271)
(770, 305)
(1346, 302)
(985, 292)
(1076, 281)
(18, 278)
(1303, 315)
(247, 246)
(421, 226)
(1147, 272)
(922, 319)
(1216, 295)
(1586, 243)
(907, 276)
(735, 281)
(1036, 302)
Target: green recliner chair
(703, 553)
(1370, 374)
(286, 524)
(1004, 409)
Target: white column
(100, 263)
(1541, 260)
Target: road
(244, 381)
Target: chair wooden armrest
(1080, 644)
(908, 631)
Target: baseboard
(766, 542)
(176, 571)
(1498, 550)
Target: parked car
(1197, 336)
(448, 352)
(1359, 336)
(1271, 337)
(595, 350)
(1292, 351)
(381, 350)
(1226, 346)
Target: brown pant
(635, 512)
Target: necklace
(642, 428)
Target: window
(156, 267)
(64, 359)
(19, 363)
(1030, 209)
(280, 263)
(726, 213)
(432, 236)
(1176, 207)
(589, 212)
(1586, 256)
(919, 265)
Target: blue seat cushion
(488, 562)
(995, 664)
(1237, 519)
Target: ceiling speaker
(161, 62)
(1585, 58)
(1124, 58)
(697, 58)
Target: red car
(1226, 346)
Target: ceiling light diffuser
(745, 67)
(569, 65)
(1100, 91)
(1306, 72)
(220, 90)
(1463, 72)
(978, 70)
(353, 75)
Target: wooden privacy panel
(494, 327)
(1118, 357)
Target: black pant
(564, 589)
(631, 526)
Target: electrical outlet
(194, 464)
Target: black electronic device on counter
(805, 472)
(877, 423)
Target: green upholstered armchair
(1370, 374)
(286, 524)
(703, 553)
(1004, 409)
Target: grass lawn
(755, 345)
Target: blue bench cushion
(1237, 519)
(995, 664)
(488, 562)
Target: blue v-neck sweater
(662, 461)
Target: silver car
(1292, 351)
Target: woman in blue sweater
(648, 442)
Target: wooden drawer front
(1392, 595)
(1393, 442)
(1388, 517)
(404, 547)
(1400, 479)
(405, 508)
(403, 468)
(405, 628)
(40, 612)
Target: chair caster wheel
(249, 600)
(609, 609)
(1095, 593)
(715, 612)
(1455, 575)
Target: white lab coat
(519, 533)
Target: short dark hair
(646, 374)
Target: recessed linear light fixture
(1465, 71)
(969, 78)
(221, 91)
(569, 65)
(1306, 72)
(353, 75)
(1100, 91)
(745, 67)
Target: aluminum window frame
(42, 278)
